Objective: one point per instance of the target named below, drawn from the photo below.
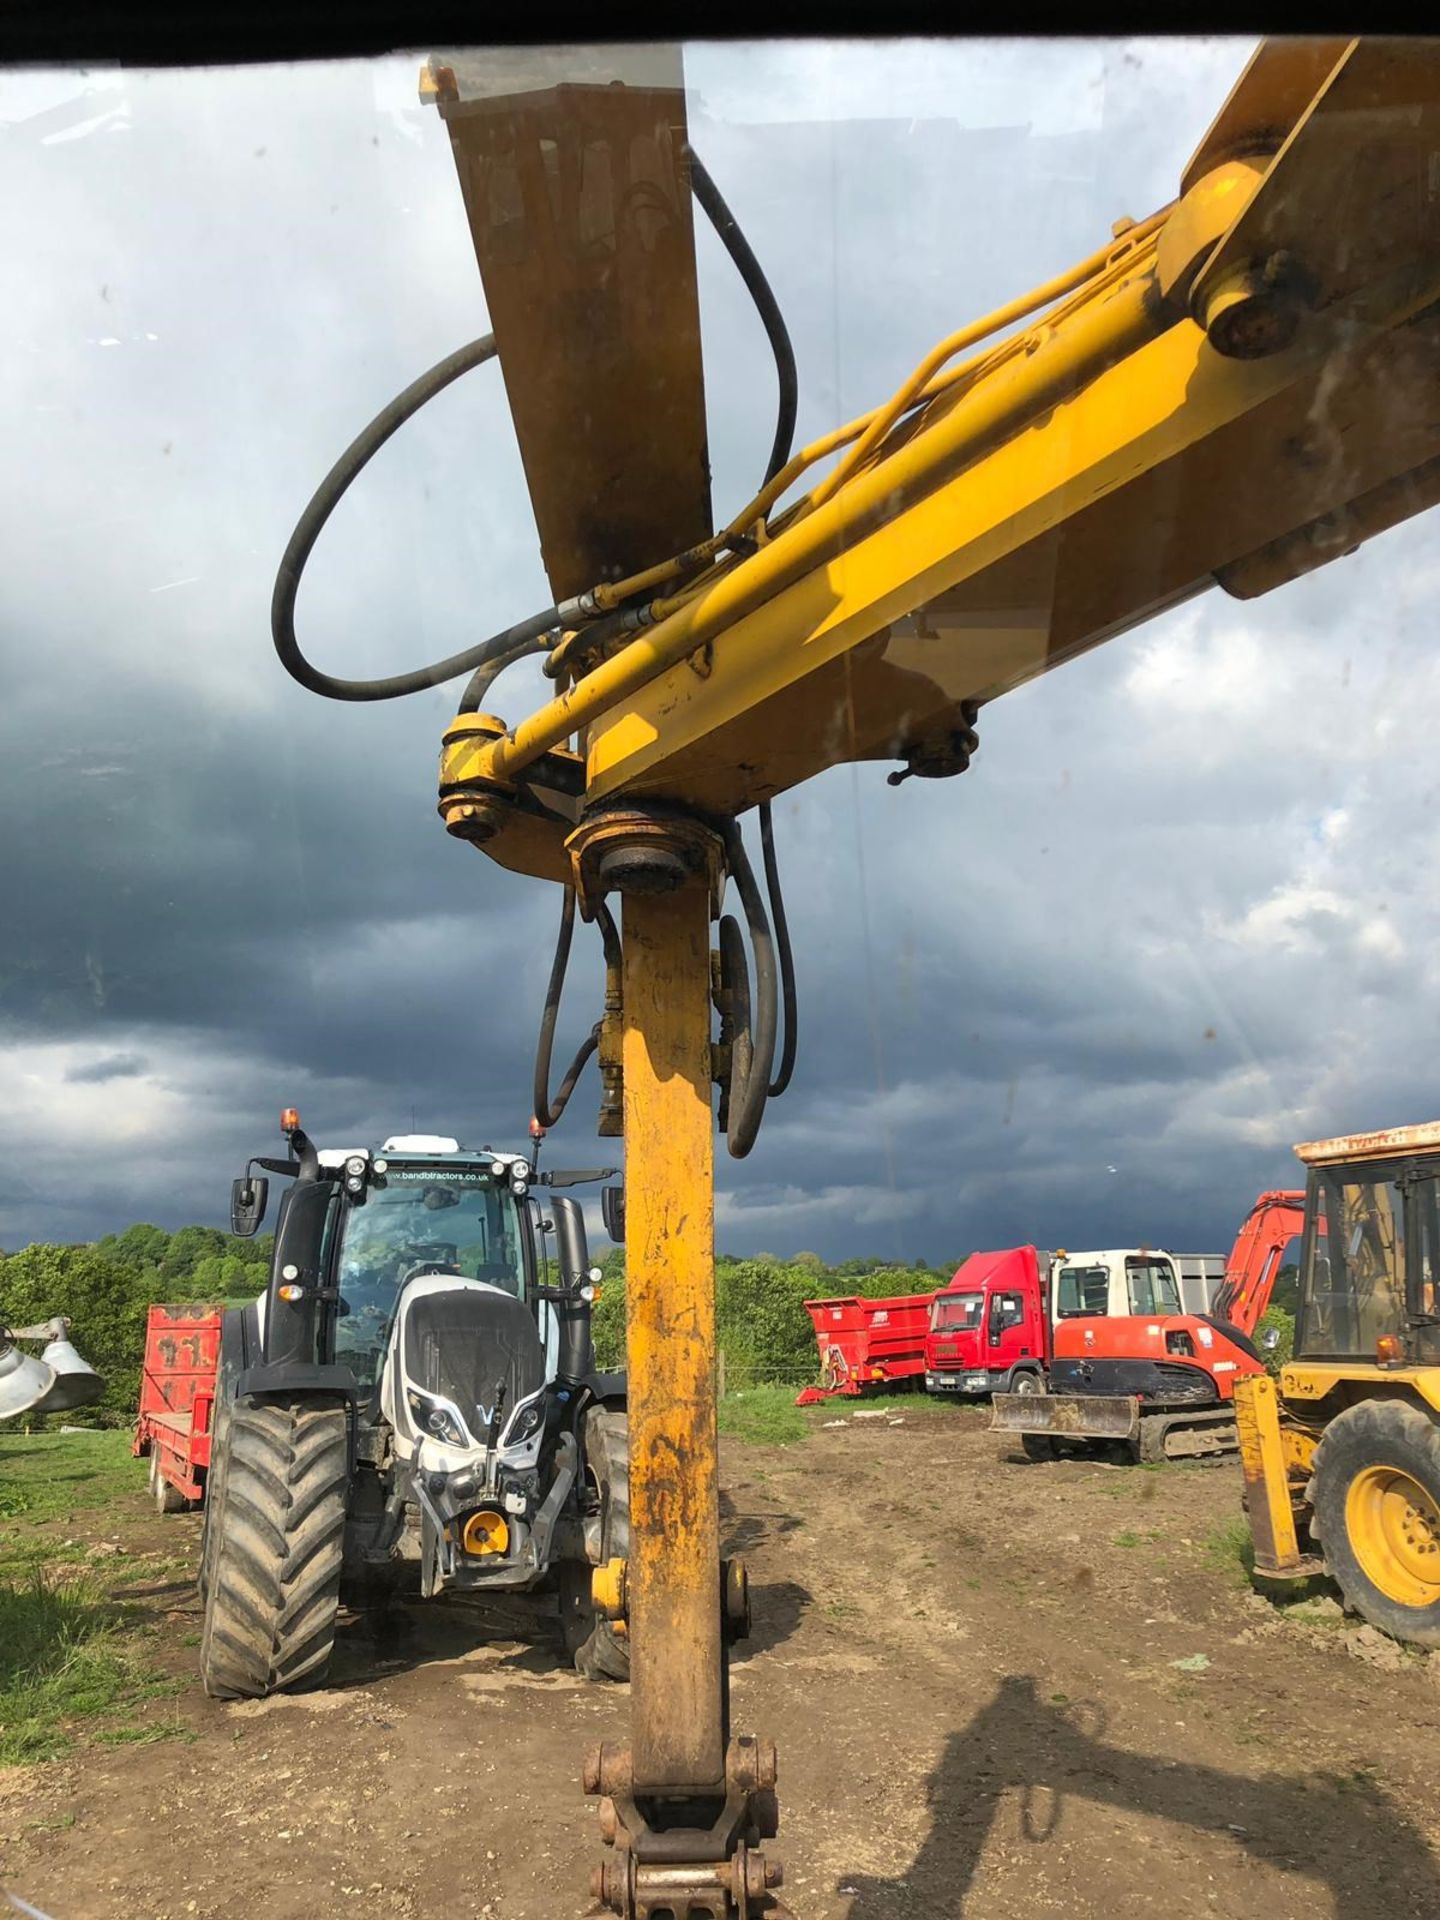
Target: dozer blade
(1081, 1416)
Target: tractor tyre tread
(274, 1548)
(597, 1651)
(1373, 1432)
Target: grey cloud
(115, 1066)
(1007, 980)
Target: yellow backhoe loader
(1342, 1458)
(1237, 388)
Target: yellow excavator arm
(1234, 390)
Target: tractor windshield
(456, 1218)
(957, 1312)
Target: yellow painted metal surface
(673, 1571)
(1386, 1143)
(607, 1589)
(1071, 481)
(1312, 1380)
(1267, 1482)
(576, 181)
(485, 1532)
(1276, 88)
(1393, 1526)
(1105, 511)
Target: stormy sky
(1180, 913)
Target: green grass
(764, 1417)
(65, 1657)
(71, 1658)
(47, 1477)
(1231, 1551)
(767, 1416)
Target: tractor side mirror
(612, 1212)
(1270, 1339)
(247, 1206)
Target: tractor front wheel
(1375, 1496)
(274, 1534)
(598, 1651)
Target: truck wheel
(1027, 1383)
(275, 1524)
(1375, 1491)
(598, 1652)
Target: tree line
(105, 1289)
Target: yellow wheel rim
(1394, 1529)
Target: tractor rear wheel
(598, 1651)
(1375, 1495)
(274, 1533)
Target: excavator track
(1186, 1436)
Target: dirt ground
(997, 1688)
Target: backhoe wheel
(1039, 1446)
(270, 1563)
(598, 1651)
(1375, 1490)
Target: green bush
(1284, 1324)
(762, 1327)
(105, 1291)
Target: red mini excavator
(1163, 1382)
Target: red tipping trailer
(867, 1342)
(177, 1402)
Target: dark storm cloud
(115, 1066)
(1167, 924)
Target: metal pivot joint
(659, 1871)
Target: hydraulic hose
(789, 996)
(499, 650)
(767, 306)
(748, 1095)
(548, 1110)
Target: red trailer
(867, 1342)
(177, 1402)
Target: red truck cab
(990, 1327)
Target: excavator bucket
(1067, 1416)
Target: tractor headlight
(525, 1424)
(436, 1417)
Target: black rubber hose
(747, 1101)
(499, 648)
(485, 675)
(788, 994)
(766, 305)
(548, 1110)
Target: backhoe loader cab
(1342, 1460)
(409, 1396)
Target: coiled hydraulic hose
(489, 658)
(499, 650)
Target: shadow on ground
(1345, 1833)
